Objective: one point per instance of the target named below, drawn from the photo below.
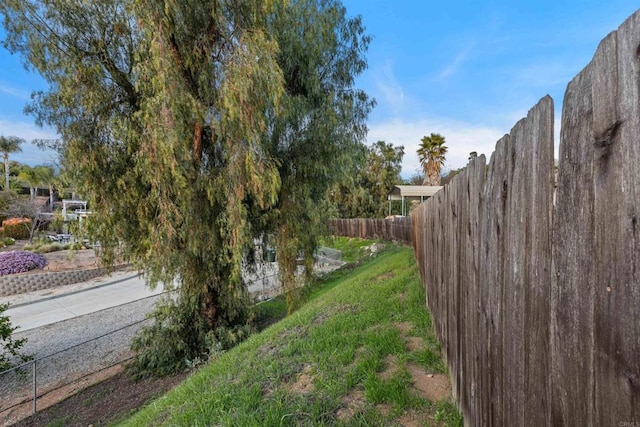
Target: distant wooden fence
(538, 305)
(396, 229)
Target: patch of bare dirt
(414, 343)
(352, 404)
(53, 395)
(273, 347)
(434, 387)
(384, 409)
(304, 383)
(391, 368)
(384, 277)
(71, 260)
(322, 317)
(415, 419)
(103, 403)
(403, 327)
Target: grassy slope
(299, 371)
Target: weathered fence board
(598, 305)
(491, 280)
(573, 266)
(538, 246)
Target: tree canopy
(377, 170)
(195, 128)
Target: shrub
(178, 339)
(51, 247)
(20, 261)
(17, 228)
(9, 348)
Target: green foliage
(365, 195)
(10, 354)
(415, 179)
(352, 248)
(8, 145)
(321, 126)
(6, 241)
(57, 222)
(17, 228)
(36, 177)
(179, 339)
(45, 247)
(196, 127)
(448, 414)
(176, 337)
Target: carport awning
(400, 192)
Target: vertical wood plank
(514, 273)
(616, 352)
(573, 268)
(539, 205)
(491, 277)
(475, 187)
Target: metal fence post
(35, 388)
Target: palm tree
(48, 177)
(9, 144)
(32, 176)
(432, 156)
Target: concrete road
(35, 309)
(42, 309)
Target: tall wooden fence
(396, 229)
(536, 303)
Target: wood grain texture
(617, 241)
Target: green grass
(353, 249)
(305, 369)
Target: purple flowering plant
(20, 261)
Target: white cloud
(388, 91)
(462, 138)
(30, 154)
(15, 92)
(452, 67)
(25, 130)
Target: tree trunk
(6, 171)
(431, 177)
(210, 306)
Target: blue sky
(468, 70)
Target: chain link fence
(23, 386)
